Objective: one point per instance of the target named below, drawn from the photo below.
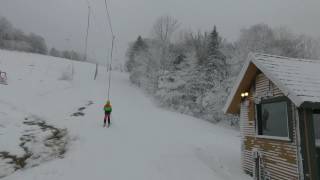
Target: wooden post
(308, 144)
(96, 72)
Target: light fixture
(245, 94)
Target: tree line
(193, 72)
(12, 38)
(73, 55)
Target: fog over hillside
(61, 19)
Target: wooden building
(278, 100)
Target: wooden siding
(279, 157)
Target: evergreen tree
(213, 42)
(138, 46)
(216, 65)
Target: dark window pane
(274, 119)
(316, 125)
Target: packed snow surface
(143, 142)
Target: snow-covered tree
(137, 47)
(214, 42)
(38, 44)
(194, 75)
(54, 52)
(164, 28)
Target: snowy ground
(144, 141)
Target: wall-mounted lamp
(245, 94)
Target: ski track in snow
(144, 141)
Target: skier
(107, 113)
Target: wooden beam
(310, 105)
(248, 78)
(308, 144)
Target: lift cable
(109, 68)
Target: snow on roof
(298, 79)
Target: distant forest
(193, 72)
(12, 38)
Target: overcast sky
(59, 20)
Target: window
(316, 125)
(272, 117)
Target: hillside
(51, 128)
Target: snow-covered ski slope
(144, 142)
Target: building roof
(298, 79)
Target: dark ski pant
(106, 116)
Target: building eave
(247, 73)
